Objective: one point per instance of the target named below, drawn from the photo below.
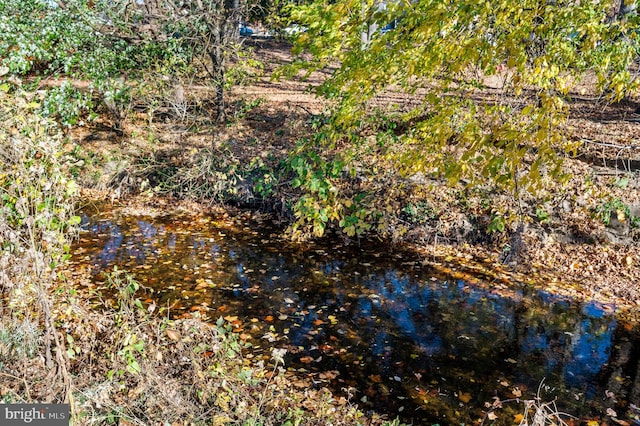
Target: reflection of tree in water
(391, 331)
(619, 380)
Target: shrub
(36, 221)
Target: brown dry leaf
(329, 375)
(491, 415)
(306, 359)
(375, 378)
(516, 392)
(173, 335)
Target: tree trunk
(217, 55)
(218, 60)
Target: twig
(305, 109)
(26, 385)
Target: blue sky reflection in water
(411, 341)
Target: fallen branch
(609, 144)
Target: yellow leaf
(518, 418)
(221, 420)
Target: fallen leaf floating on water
(329, 375)
(464, 397)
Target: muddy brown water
(410, 342)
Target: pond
(411, 341)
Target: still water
(413, 342)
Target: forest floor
(583, 242)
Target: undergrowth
(36, 221)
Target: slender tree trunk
(217, 57)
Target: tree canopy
(533, 55)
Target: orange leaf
(464, 397)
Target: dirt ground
(572, 252)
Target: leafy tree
(109, 42)
(44, 38)
(444, 55)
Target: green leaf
(74, 220)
